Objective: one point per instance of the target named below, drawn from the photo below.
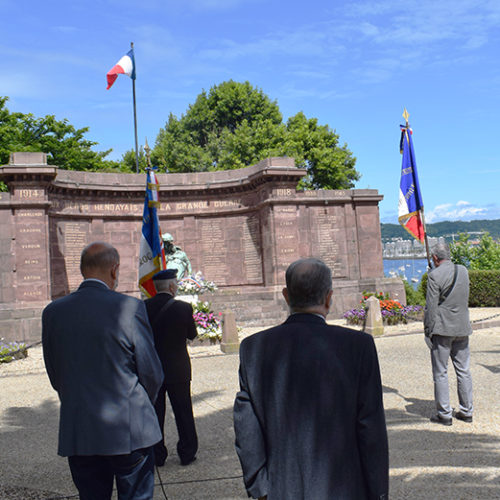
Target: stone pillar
(230, 343)
(28, 177)
(374, 322)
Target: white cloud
(462, 210)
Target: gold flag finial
(147, 150)
(406, 115)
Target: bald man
(100, 357)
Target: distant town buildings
(397, 248)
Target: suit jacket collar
(91, 283)
(305, 318)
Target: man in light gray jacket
(447, 324)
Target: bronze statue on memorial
(176, 258)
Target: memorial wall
(240, 228)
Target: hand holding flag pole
(411, 208)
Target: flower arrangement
(207, 322)
(392, 311)
(12, 350)
(195, 284)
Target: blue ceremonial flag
(152, 254)
(410, 200)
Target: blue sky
(353, 65)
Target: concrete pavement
(427, 460)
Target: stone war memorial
(240, 228)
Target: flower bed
(12, 350)
(393, 312)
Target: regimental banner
(410, 199)
(152, 254)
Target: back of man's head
(168, 285)
(97, 259)
(308, 282)
(441, 251)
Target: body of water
(412, 269)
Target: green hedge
(484, 288)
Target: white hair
(164, 285)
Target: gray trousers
(458, 349)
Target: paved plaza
(428, 461)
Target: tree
(65, 145)
(484, 256)
(235, 125)
(127, 163)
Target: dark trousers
(93, 475)
(180, 400)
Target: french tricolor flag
(125, 66)
(410, 200)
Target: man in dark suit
(100, 357)
(309, 418)
(172, 322)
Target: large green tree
(65, 145)
(236, 124)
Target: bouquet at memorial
(195, 284)
(392, 311)
(207, 322)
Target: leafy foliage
(484, 288)
(65, 145)
(486, 255)
(235, 125)
(414, 297)
(12, 350)
(127, 164)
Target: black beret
(166, 274)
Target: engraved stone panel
(31, 264)
(330, 235)
(71, 239)
(230, 249)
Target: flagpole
(426, 240)
(135, 119)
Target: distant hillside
(445, 228)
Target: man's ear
(114, 271)
(328, 300)
(285, 295)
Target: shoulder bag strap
(162, 310)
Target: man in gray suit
(447, 324)
(100, 358)
(309, 418)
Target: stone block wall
(241, 228)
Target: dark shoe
(161, 455)
(464, 418)
(436, 419)
(189, 461)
